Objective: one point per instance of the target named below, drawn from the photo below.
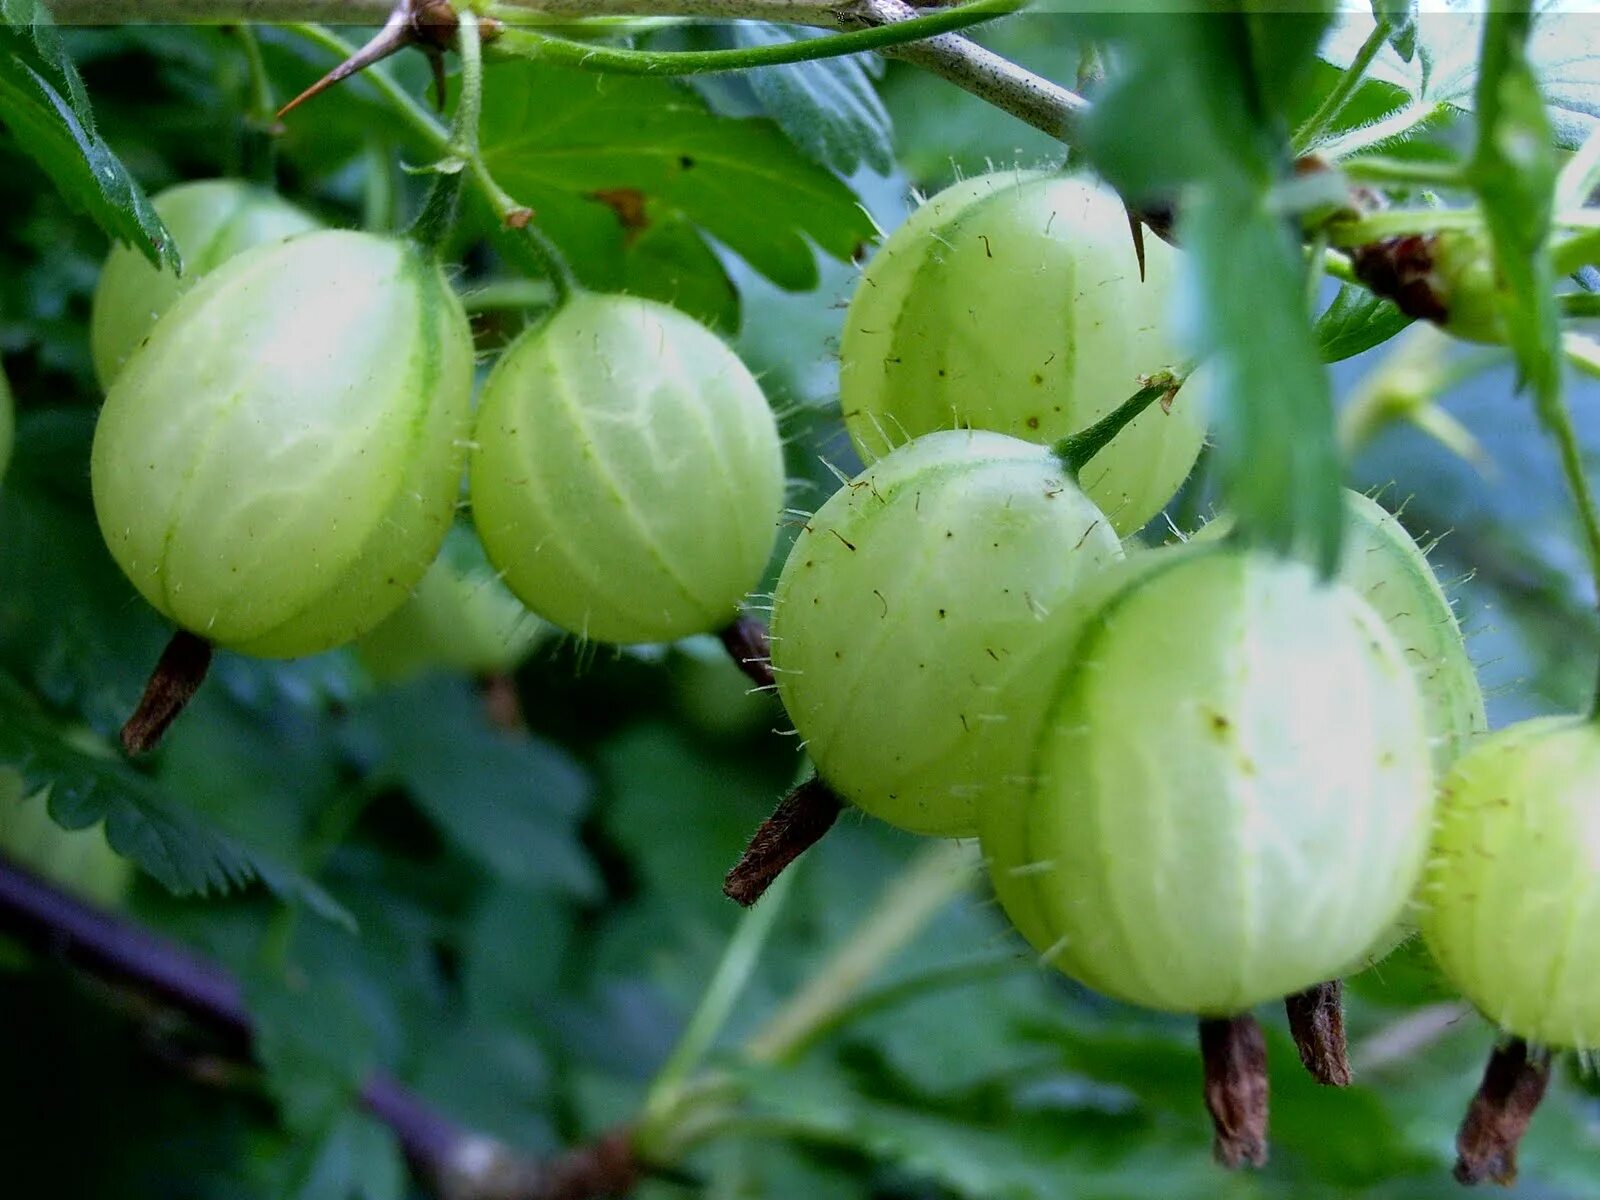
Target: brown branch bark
(457, 1163)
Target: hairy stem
(1557, 416)
(535, 251)
(1305, 138)
(797, 824)
(1076, 450)
(438, 214)
(526, 43)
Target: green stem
(717, 1003)
(380, 198)
(1404, 171)
(259, 151)
(526, 43)
(1076, 449)
(508, 295)
(1333, 103)
(1579, 304)
(935, 877)
(1576, 250)
(1400, 222)
(943, 977)
(537, 252)
(1338, 266)
(438, 215)
(1557, 415)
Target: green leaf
(314, 1038)
(508, 799)
(603, 159)
(45, 107)
(71, 626)
(354, 1158)
(1025, 1156)
(1402, 18)
(1563, 50)
(1272, 408)
(1513, 170)
(828, 106)
(1354, 322)
(88, 786)
(1200, 109)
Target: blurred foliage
(518, 921)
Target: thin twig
(458, 1163)
(998, 81)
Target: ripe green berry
(1231, 793)
(277, 467)
(1511, 899)
(628, 472)
(78, 859)
(210, 220)
(1384, 566)
(1012, 302)
(461, 618)
(911, 602)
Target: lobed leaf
(620, 155)
(510, 800)
(88, 786)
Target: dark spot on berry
(685, 161)
(1033, 422)
(1038, 378)
(941, 614)
(1220, 724)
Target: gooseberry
(907, 620)
(628, 473)
(210, 220)
(1013, 302)
(1231, 791)
(276, 468)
